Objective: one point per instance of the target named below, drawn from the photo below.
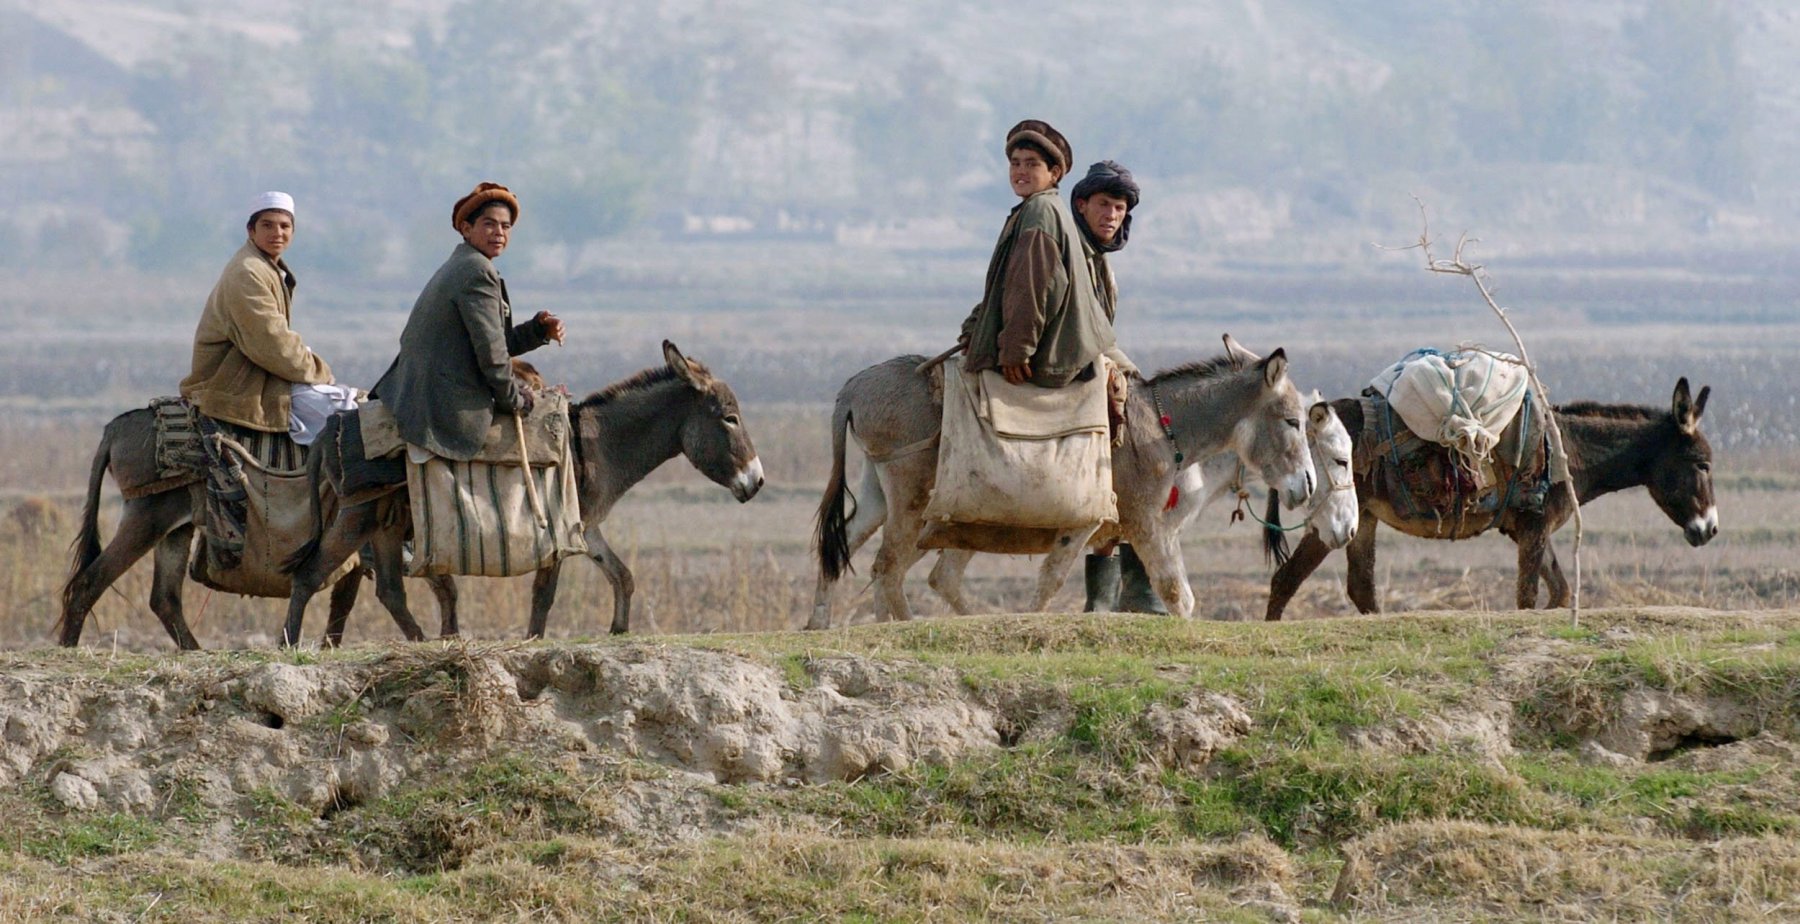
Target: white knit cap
(273, 200)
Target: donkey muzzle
(748, 481)
(1701, 529)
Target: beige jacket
(246, 357)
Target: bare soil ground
(1640, 765)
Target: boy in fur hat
(1040, 319)
(454, 371)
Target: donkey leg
(871, 512)
(1532, 545)
(906, 485)
(947, 576)
(443, 587)
(390, 583)
(620, 576)
(346, 533)
(165, 590)
(1360, 582)
(543, 597)
(1300, 565)
(1057, 565)
(343, 598)
(1560, 592)
(1167, 570)
(144, 522)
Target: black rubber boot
(1135, 593)
(1102, 584)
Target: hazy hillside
(132, 127)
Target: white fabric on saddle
(1057, 477)
(309, 406)
(1463, 399)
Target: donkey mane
(1612, 411)
(640, 381)
(1217, 367)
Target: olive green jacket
(246, 357)
(1041, 303)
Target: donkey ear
(1275, 368)
(1700, 402)
(1240, 357)
(672, 356)
(1319, 414)
(1682, 406)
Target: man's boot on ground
(1102, 584)
(1135, 593)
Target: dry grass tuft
(1469, 870)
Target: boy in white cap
(250, 368)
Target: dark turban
(484, 194)
(1114, 180)
(1038, 134)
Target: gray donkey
(621, 434)
(1236, 402)
(1331, 515)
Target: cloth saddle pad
(279, 519)
(477, 518)
(546, 430)
(353, 474)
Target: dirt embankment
(1404, 747)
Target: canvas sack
(1024, 456)
(278, 520)
(1462, 399)
(477, 518)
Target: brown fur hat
(484, 193)
(1042, 136)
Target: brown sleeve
(1030, 269)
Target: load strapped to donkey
(1464, 435)
(1019, 465)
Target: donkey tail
(832, 538)
(1275, 541)
(315, 483)
(86, 547)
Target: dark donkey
(164, 521)
(1611, 447)
(621, 434)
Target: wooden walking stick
(531, 491)
(925, 366)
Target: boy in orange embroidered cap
(454, 372)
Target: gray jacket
(454, 371)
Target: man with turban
(454, 371)
(1103, 202)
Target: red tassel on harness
(1174, 498)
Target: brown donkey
(163, 521)
(1611, 447)
(621, 434)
